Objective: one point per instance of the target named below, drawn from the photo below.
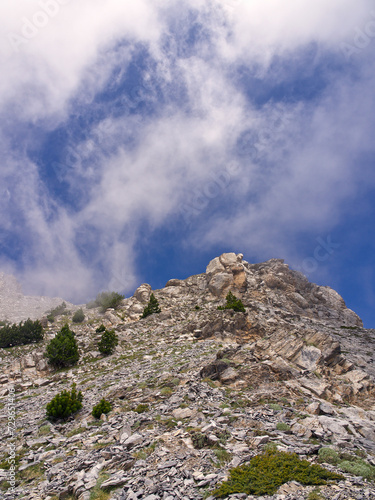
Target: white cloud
(130, 171)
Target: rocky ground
(196, 391)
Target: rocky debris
(196, 391)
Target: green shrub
(102, 407)
(329, 456)
(266, 472)
(141, 408)
(275, 407)
(65, 404)
(233, 303)
(152, 307)
(281, 426)
(100, 329)
(62, 351)
(199, 440)
(108, 342)
(25, 333)
(57, 311)
(106, 300)
(358, 468)
(78, 316)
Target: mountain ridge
(295, 371)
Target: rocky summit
(196, 391)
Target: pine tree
(65, 404)
(233, 303)
(152, 307)
(108, 342)
(62, 351)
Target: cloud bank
(231, 123)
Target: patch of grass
(44, 430)
(75, 432)
(166, 391)
(145, 452)
(31, 474)
(266, 472)
(358, 468)
(97, 493)
(142, 408)
(281, 426)
(223, 456)
(275, 407)
(170, 423)
(315, 495)
(96, 423)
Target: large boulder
(143, 293)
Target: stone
(133, 440)
(220, 283)
(181, 413)
(175, 282)
(143, 293)
(309, 358)
(215, 266)
(228, 376)
(228, 259)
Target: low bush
(108, 342)
(78, 316)
(103, 407)
(100, 329)
(62, 351)
(266, 472)
(328, 456)
(358, 468)
(106, 300)
(152, 307)
(142, 408)
(282, 426)
(57, 311)
(233, 303)
(65, 404)
(25, 333)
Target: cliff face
(16, 307)
(296, 370)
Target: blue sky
(141, 139)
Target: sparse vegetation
(106, 300)
(25, 333)
(78, 316)
(103, 407)
(65, 404)
(233, 303)
(108, 342)
(152, 307)
(266, 472)
(141, 408)
(61, 309)
(348, 463)
(282, 426)
(62, 351)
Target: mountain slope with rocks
(196, 391)
(16, 307)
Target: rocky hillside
(16, 307)
(197, 391)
